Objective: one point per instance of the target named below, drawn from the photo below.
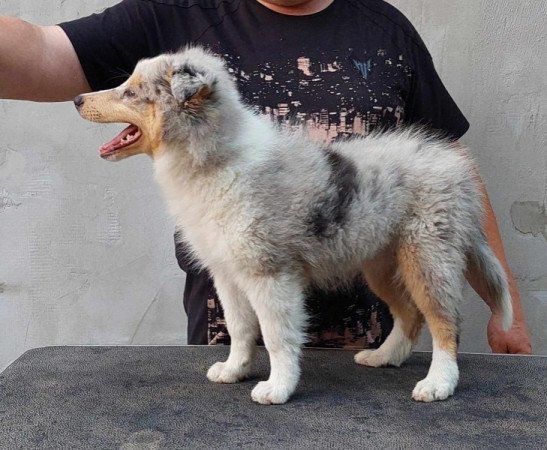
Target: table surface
(158, 397)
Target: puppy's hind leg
(381, 276)
(434, 277)
(279, 304)
(242, 325)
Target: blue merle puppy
(270, 213)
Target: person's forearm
(494, 240)
(517, 339)
(37, 63)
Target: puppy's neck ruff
(202, 169)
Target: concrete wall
(86, 254)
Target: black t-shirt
(353, 67)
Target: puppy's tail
(484, 262)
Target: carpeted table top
(159, 398)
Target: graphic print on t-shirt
(357, 92)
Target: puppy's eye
(129, 93)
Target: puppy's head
(164, 99)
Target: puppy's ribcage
(322, 212)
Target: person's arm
(38, 63)
(516, 339)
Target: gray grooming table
(158, 397)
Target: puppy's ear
(190, 87)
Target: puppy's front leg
(243, 328)
(279, 305)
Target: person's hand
(515, 340)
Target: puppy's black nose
(79, 101)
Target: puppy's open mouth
(126, 138)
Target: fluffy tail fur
(486, 263)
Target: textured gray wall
(86, 247)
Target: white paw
(221, 372)
(430, 390)
(371, 358)
(269, 393)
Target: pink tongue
(130, 134)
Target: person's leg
(347, 316)
(197, 290)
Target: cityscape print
(332, 99)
